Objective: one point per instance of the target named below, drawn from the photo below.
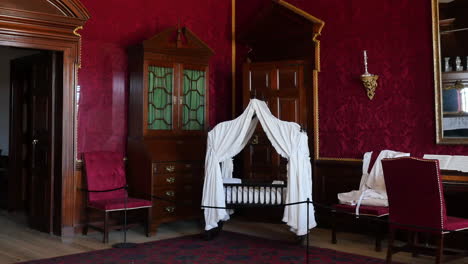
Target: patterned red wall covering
(115, 25)
(398, 39)
(395, 33)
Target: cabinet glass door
(160, 94)
(193, 99)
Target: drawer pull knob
(170, 193)
(170, 209)
(170, 168)
(170, 179)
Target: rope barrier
(336, 210)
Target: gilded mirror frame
(440, 139)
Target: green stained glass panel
(193, 107)
(160, 91)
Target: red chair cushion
(119, 204)
(376, 211)
(454, 223)
(104, 171)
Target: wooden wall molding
(50, 25)
(333, 176)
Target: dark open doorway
(53, 25)
(31, 175)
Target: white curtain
(228, 138)
(225, 141)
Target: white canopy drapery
(228, 138)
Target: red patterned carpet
(227, 248)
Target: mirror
(450, 45)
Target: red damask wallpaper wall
(115, 25)
(395, 33)
(398, 40)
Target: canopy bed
(228, 138)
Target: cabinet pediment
(178, 41)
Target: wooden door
(40, 80)
(280, 84)
(19, 85)
(258, 153)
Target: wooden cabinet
(167, 123)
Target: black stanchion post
(125, 244)
(307, 235)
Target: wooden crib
(251, 194)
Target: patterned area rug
(227, 248)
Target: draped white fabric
(372, 189)
(228, 138)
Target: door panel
(287, 93)
(288, 109)
(258, 161)
(257, 81)
(18, 127)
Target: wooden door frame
(52, 25)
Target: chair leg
(106, 227)
(85, 227)
(148, 222)
(440, 248)
(391, 237)
(414, 243)
(333, 238)
(378, 236)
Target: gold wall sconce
(369, 80)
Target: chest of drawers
(170, 174)
(169, 171)
(176, 191)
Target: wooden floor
(19, 243)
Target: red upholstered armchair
(107, 189)
(417, 204)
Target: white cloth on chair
(372, 187)
(227, 139)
